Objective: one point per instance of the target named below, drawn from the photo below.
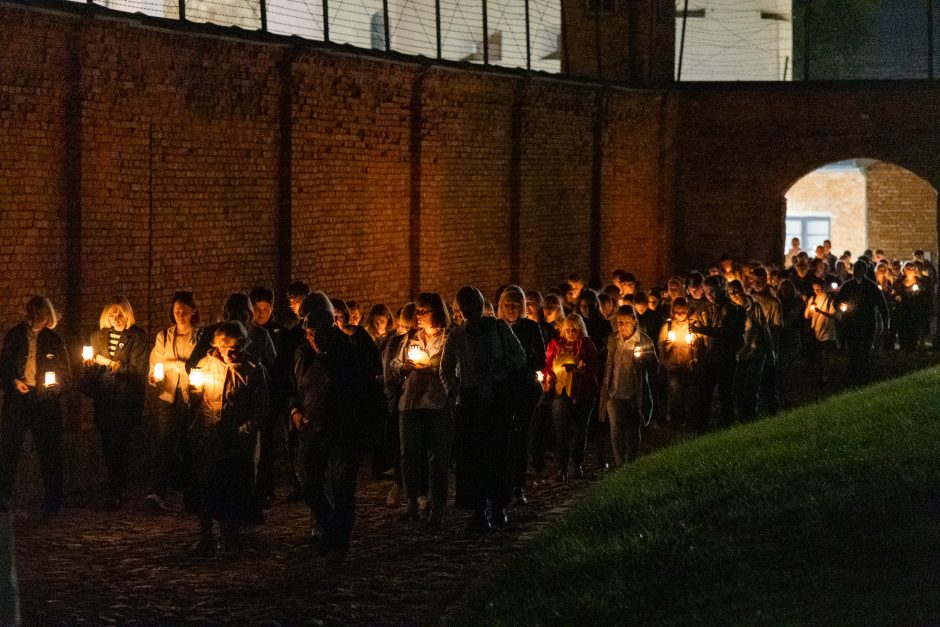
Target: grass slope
(829, 514)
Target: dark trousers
(769, 399)
(718, 375)
(625, 424)
(223, 478)
(858, 348)
(523, 411)
(426, 439)
(329, 474)
(747, 381)
(681, 397)
(484, 425)
(175, 470)
(117, 415)
(541, 430)
(272, 440)
(43, 419)
(570, 420)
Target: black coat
(131, 376)
(51, 355)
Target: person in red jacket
(570, 379)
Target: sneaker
(393, 498)
(519, 497)
(155, 502)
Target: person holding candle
(30, 350)
(626, 399)
(912, 308)
(510, 310)
(821, 312)
(426, 423)
(864, 305)
(226, 409)
(478, 358)
(770, 304)
(172, 347)
(116, 378)
(570, 380)
(680, 350)
(392, 381)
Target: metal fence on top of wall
(509, 33)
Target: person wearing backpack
(479, 361)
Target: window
(378, 31)
(811, 231)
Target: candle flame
(50, 378)
(843, 308)
(689, 338)
(671, 336)
(540, 376)
(88, 353)
(197, 377)
(158, 373)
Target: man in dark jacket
(860, 302)
(336, 396)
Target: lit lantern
(197, 378)
(671, 336)
(88, 353)
(49, 380)
(158, 373)
(417, 355)
(689, 338)
(540, 376)
(843, 308)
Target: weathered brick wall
(739, 148)
(636, 225)
(556, 158)
(33, 94)
(351, 177)
(838, 195)
(902, 211)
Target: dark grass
(828, 514)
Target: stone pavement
(90, 567)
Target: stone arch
(864, 203)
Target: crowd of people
(475, 389)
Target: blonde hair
(575, 320)
(512, 294)
(126, 309)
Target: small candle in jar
(417, 355)
(88, 353)
(540, 376)
(843, 308)
(158, 373)
(671, 336)
(689, 338)
(197, 378)
(812, 307)
(637, 352)
(49, 380)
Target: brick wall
(838, 195)
(902, 212)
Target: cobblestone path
(90, 567)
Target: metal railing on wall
(510, 33)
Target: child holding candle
(30, 350)
(679, 349)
